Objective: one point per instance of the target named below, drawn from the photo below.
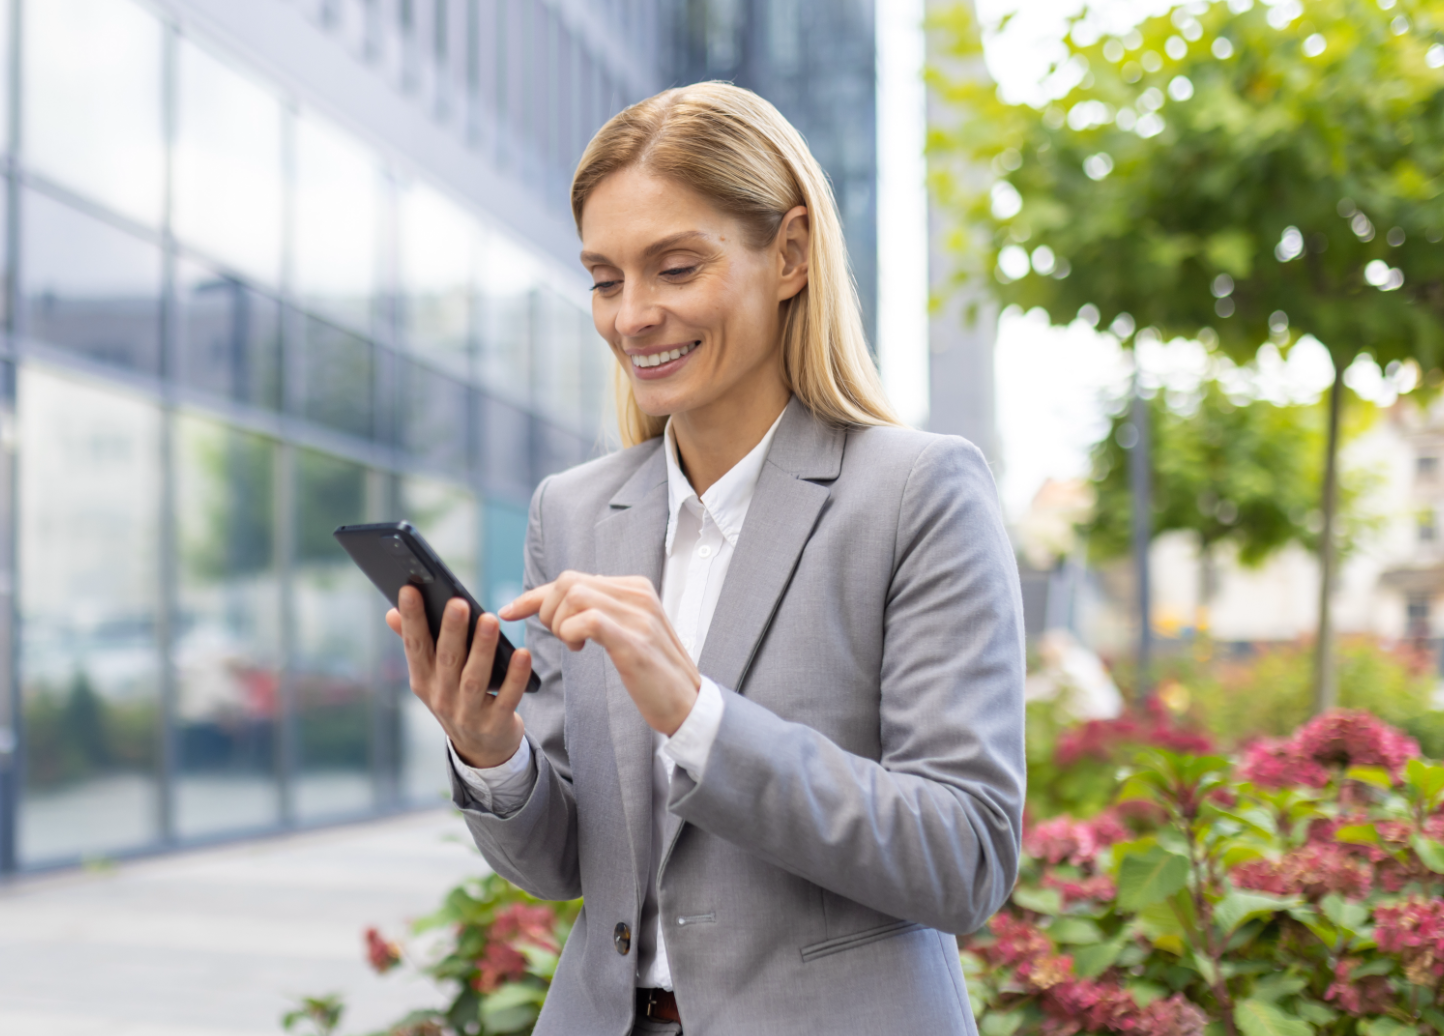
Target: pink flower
(381, 953)
(1099, 888)
(523, 921)
(1313, 870)
(1174, 1016)
(1414, 929)
(1353, 737)
(499, 964)
(1366, 996)
(1335, 740)
(1075, 841)
(1103, 739)
(1015, 941)
(1272, 763)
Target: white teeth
(657, 359)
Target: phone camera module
(396, 545)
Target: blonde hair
(736, 149)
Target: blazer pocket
(857, 939)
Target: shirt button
(704, 551)
(622, 938)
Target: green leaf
(540, 962)
(1258, 819)
(1040, 901)
(1150, 878)
(1358, 834)
(1375, 775)
(1428, 778)
(1274, 988)
(1000, 1023)
(1239, 906)
(1386, 1027)
(1348, 916)
(1078, 931)
(1261, 1018)
(1430, 852)
(1241, 852)
(1315, 1012)
(1144, 993)
(1310, 919)
(1092, 961)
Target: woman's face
(692, 312)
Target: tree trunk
(1141, 483)
(1207, 578)
(1326, 683)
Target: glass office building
(272, 267)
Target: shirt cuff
(690, 746)
(500, 789)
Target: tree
(1237, 472)
(1236, 173)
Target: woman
(778, 742)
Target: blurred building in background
(276, 266)
(273, 267)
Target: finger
(393, 620)
(518, 672)
(476, 676)
(415, 636)
(527, 605)
(586, 596)
(451, 644)
(560, 588)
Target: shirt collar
(726, 501)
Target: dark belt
(658, 1004)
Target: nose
(638, 312)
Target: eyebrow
(596, 258)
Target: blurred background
(275, 266)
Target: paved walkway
(220, 942)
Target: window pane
(338, 616)
(504, 558)
(433, 426)
(337, 200)
(436, 246)
(229, 337)
(90, 490)
(447, 517)
(558, 356)
(92, 99)
(89, 287)
(503, 446)
(338, 379)
(227, 165)
(506, 280)
(228, 637)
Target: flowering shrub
(1298, 892)
(1073, 768)
(497, 958)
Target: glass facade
(246, 301)
(234, 324)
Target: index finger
(527, 605)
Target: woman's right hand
(484, 728)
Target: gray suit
(864, 795)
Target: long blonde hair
(736, 149)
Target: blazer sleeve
(929, 832)
(535, 847)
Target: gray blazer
(862, 803)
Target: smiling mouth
(657, 359)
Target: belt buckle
(651, 1001)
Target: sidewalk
(219, 942)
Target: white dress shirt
(702, 534)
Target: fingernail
(504, 611)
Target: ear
(794, 245)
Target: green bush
(1272, 693)
(1296, 892)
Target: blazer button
(622, 938)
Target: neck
(712, 439)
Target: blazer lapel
(784, 511)
(791, 492)
(630, 540)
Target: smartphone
(394, 555)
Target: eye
(605, 286)
(679, 271)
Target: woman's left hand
(624, 615)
